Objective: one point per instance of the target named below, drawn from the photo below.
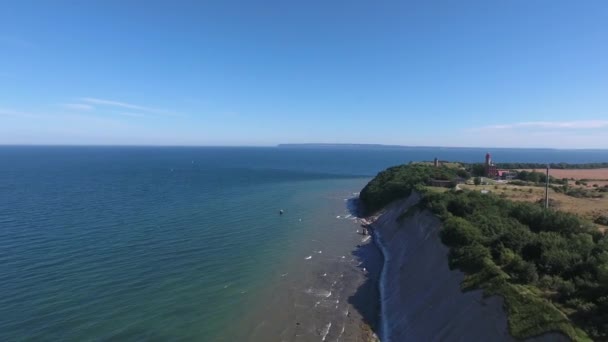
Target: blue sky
(450, 73)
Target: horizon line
(287, 145)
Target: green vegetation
(545, 263)
(477, 169)
(538, 177)
(602, 219)
(550, 267)
(579, 192)
(398, 181)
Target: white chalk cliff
(421, 299)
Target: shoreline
(327, 288)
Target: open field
(437, 189)
(589, 208)
(598, 174)
(446, 164)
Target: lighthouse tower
(491, 170)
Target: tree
(463, 174)
(477, 180)
(459, 232)
(478, 170)
(469, 258)
(522, 271)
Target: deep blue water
(137, 243)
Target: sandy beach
(329, 292)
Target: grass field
(589, 208)
(446, 164)
(595, 174)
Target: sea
(187, 243)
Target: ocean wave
(326, 332)
(318, 293)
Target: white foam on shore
(342, 331)
(326, 331)
(318, 293)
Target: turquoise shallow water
(167, 243)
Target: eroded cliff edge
(421, 298)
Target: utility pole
(547, 189)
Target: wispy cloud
(78, 106)
(125, 105)
(16, 113)
(131, 114)
(580, 124)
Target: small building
(507, 174)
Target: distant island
(549, 266)
(321, 145)
(381, 146)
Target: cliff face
(420, 296)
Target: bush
(505, 256)
(458, 232)
(399, 181)
(523, 272)
(518, 182)
(463, 174)
(602, 219)
(469, 258)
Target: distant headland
(501, 259)
(408, 147)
